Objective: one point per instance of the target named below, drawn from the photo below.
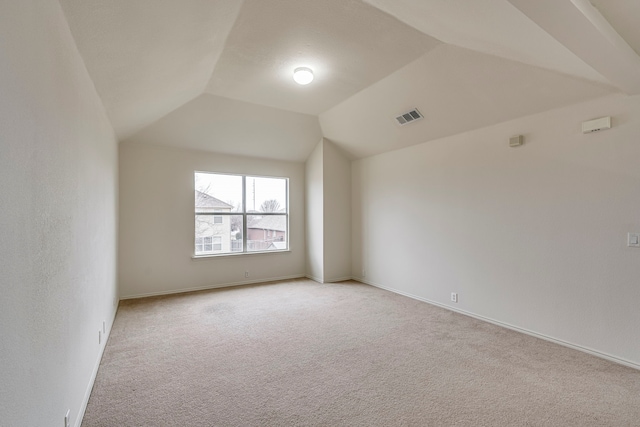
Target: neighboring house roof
(204, 200)
(278, 245)
(269, 222)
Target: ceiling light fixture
(303, 75)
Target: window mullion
(244, 213)
(218, 216)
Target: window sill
(198, 257)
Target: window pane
(217, 243)
(266, 194)
(218, 238)
(218, 193)
(219, 231)
(266, 232)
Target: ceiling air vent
(408, 117)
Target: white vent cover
(408, 117)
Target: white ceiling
(456, 90)
(489, 26)
(349, 45)
(223, 125)
(149, 57)
(623, 16)
(177, 72)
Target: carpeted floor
(299, 353)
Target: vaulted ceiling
(216, 74)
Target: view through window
(240, 213)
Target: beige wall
(58, 193)
(157, 222)
(336, 214)
(533, 237)
(328, 207)
(314, 202)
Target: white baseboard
(583, 349)
(338, 279)
(217, 286)
(315, 279)
(87, 393)
(335, 280)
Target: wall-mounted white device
(596, 125)
(516, 141)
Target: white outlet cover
(633, 240)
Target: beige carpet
(299, 353)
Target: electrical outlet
(104, 327)
(454, 297)
(633, 240)
(99, 337)
(67, 419)
(246, 274)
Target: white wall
(337, 214)
(534, 237)
(314, 202)
(456, 90)
(58, 193)
(157, 222)
(328, 208)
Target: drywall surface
(314, 202)
(456, 90)
(337, 213)
(348, 44)
(157, 222)
(328, 214)
(58, 193)
(209, 122)
(534, 236)
(148, 57)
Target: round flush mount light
(303, 75)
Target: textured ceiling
(148, 57)
(216, 74)
(347, 43)
(456, 90)
(223, 125)
(489, 26)
(582, 29)
(624, 16)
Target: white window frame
(244, 215)
(216, 243)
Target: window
(217, 243)
(240, 214)
(208, 244)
